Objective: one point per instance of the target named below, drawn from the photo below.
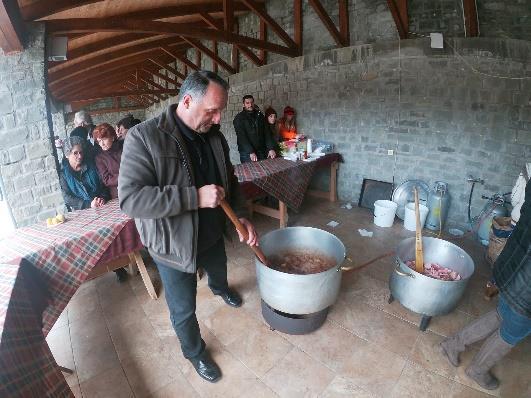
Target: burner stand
(292, 323)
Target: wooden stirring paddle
(419, 256)
(242, 230)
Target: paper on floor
(364, 232)
(333, 224)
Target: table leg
(137, 258)
(283, 209)
(333, 182)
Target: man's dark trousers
(180, 289)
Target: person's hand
(253, 157)
(97, 202)
(210, 195)
(253, 237)
(272, 154)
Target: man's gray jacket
(156, 186)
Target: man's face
(248, 104)
(204, 112)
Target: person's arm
(108, 177)
(243, 141)
(70, 200)
(138, 188)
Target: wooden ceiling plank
(152, 83)
(245, 50)
(44, 8)
(127, 93)
(12, 31)
(259, 10)
(57, 75)
(471, 18)
(327, 21)
(169, 68)
(209, 53)
(263, 36)
(103, 111)
(103, 44)
(398, 10)
(80, 25)
(181, 57)
(297, 24)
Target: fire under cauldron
(424, 295)
(294, 303)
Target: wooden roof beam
(127, 93)
(117, 109)
(297, 24)
(339, 38)
(259, 10)
(12, 31)
(228, 15)
(84, 25)
(181, 57)
(169, 68)
(398, 10)
(245, 50)
(161, 76)
(44, 8)
(471, 18)
(209, 53)
(144, 86)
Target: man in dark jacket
(254, 139)
(175, 170)
(510, 323)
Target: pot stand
(292, 323)
(425, 320)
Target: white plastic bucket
(384, 213)
(410, 222)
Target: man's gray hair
(82, 116)
(72, 142)
(196, 84)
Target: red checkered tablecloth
(283, 179)
(64, 254)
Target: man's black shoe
(231, 298)
(121, 275)
(207, 369)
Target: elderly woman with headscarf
(108, 160)
(79, 179)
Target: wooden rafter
(43, 8)
(118, 109)
(341, 39)
(89, 25)
(471, 18)
(344, 30)
(102, 44)
(12, 31)
(228, 14)
(115, 93)
(259, 10)
(234, 51)
(169, 68)
(262, 35)
(161, 76)
(297, 24)
(244, 50)
(398, 10)
(209, 53)
(144, 86)
(215, 52)
(181, 57)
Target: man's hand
(97, 202)
(253, 157)
(210, 195)
(272, 154)
(253, 237)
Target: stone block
(38, 149)
(23, 182)
(31, 114)
(6, 103)
(52, 200)
(16, 153)
(13, 137)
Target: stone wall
(507, 19)
(27, 163)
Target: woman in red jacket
(108, 160)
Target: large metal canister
(438, 203)
(494, 208)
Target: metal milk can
(438, 203)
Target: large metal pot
(425, 295)
(300, 294)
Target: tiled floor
(121, 343)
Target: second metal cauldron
(422, 294)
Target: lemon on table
(49, 221)
(60, 218)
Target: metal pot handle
(345, 269)
(397, 270)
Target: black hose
(470, 203)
